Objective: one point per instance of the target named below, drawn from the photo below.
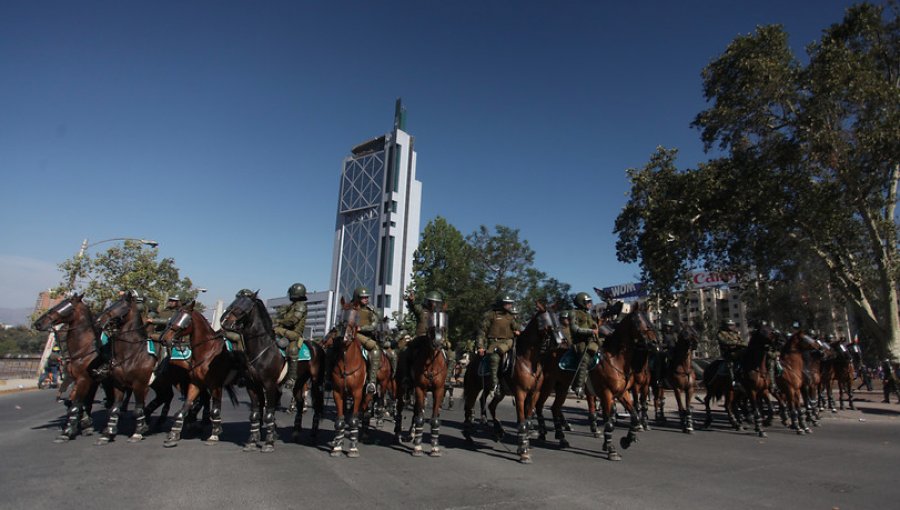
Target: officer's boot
(734, 382)
(292, 351)
(494, 361)
(581, 375)
(374, 366)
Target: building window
(395, 168)
(387, 261)
(393, 206)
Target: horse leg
(270, 405)
(112, 424)
(215, 415)
(436, 421)
(539, 411)
(849, 384)
(521, 402)
(609, 425)
(659, 414)
(688, 391)
(635, 425)
(174, 437)
(255, 419)
(418, 421)
(75, 410)
(497, 426)
(140, 427)
(353, 452)
(299, 398)
(398, 417)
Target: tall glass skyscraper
(377, 227)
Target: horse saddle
(179, 352)
(569, 361)
(303, 353)
(506, 364)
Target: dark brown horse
(557, 382)
(640, 386)
(611, 379)
(524, 383)
(813, 383)
(678, 375)
(790, 380)
(79, 346)
(207, 369)
(131, 367)
(753, 379)
(839, 370)
(348, 377)
(429, 373)
(264, 367)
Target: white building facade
(378, 215)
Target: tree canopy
(807, 166)
(129, 265)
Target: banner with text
(623, 292)
(703, 279)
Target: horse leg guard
(611, 453)
(353, 452)
(175, 433)
(418, 430)
(72, 422)
(592, 421)
(398, 426)
(468, 425)
(559, 432)
(435, 437)
(271, 432)
(215, 414)
(141, 426)
(338, 442)
(522, 436)
(112, 427)
(255, 425)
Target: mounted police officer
(158, 323)
(433, 303)
(667, 340)
(586, 338)
(366, 332)
(731, 345)
(289, 325)
(498, 329)
(565, 324)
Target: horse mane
(527, 333)
(264, 314)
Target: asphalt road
(851, 461)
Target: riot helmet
(297, 292)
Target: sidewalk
(13, 385)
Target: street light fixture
(84, 246)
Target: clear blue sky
(219, 128)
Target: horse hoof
(212, 441)
(807, 430)
(170, 443)
(268, 448)
(525, 459)
(436, 452)
(87, 431)
(567, 427)
(614, 456)
(688, 430)
(761, 434)
(353, 453)
(625, 443)
(102, 440)
(597, 434)
(136, 438)
(336, 452)
(62, 438)
(251, 447)
(564, 443)
(417, 452)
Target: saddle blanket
(303, 354)
(177, 354)
(484, 367)
(569, 361)
(104, 338)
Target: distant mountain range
(15, 316)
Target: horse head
(180, 325)
(349, 322)
(62, 313)
(800, 342)
(116, 313)
(237, 312)
(643, 331)
(548, 324)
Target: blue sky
(219, 128)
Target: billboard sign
(625, 291)
(703, 279)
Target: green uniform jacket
(582, 326)
(497, 324)
(291, 321)
(161, 320)
(418, 311)
(367, 322)
(729, 343)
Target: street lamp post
(84, 246)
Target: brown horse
(523, 383)
(207, 369)
(131, 367)
(557, 382)
(839, 370)
(611, 379)
(790, 380)
(348, 377)
(678, 376)
(813, 383)
(429, 373)
(264, 367)
(80, 355)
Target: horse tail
(232, 396)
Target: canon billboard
(701, 279)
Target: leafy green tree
(809, 166)
(21, 340)
(129, 265)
